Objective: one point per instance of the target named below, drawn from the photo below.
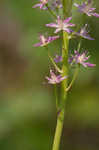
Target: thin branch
(73, 79)
(51, 12)
(56, 67)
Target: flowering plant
(62, 63)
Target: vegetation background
(27, 106)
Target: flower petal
(37, 44)
(67, 20)
(37, 5)
(57, 30)
(53, 25)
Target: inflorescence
(60, 24)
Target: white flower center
(81, 58)
(87, 8)
(60, 23)
(82, 31)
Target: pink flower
(58, 58)
(86, 8)
(44, 41)
(54, 79)
(41, 4)
(61, 25)
(78, 58)
(83, 33)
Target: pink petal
(57, 30)
(67, 20)
(67, 30)
(71, 25)
(89, 64)
(75, 4)
(37, 44)
(36, 5)
(52, 25)
(95, 14)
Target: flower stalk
(64, 84)
(73, 79)
(60, 116)
(58, 132)
(54, 64)
(51, 12)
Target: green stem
(73, 79)
(60, 117)
(56, 67)
(51, 12)
(67, 4)
(65, 67)
(56, 96)
(53, 62)
(58, 131)
(79, 44)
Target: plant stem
(60, 117)
(73, 79)
(56, 96)
(64, 68)
(67, 4)
(53, 62)
(56, 67)
(58, 131)
(79, 44)
(51, 12)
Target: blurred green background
(27, 106)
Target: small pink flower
(55, 79)
(61, 25)
(44, 41)
(83, 33)
(41, 4)
(86, 8)
(78, 58)
(58, 58)
(56, 4)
